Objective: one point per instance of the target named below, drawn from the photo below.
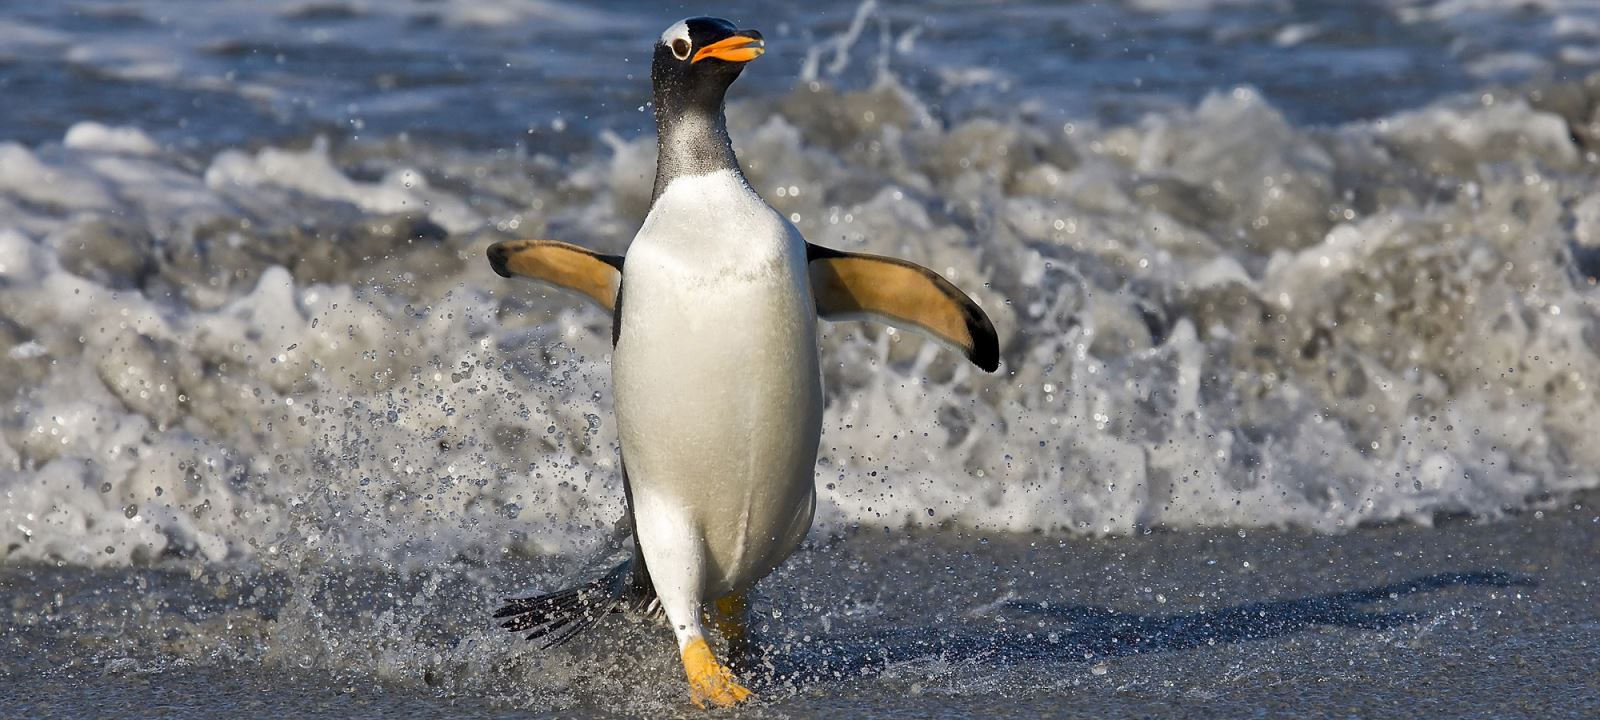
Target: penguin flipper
(854, 286)
(563, 265)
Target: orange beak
(739, 48)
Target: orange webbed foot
(710, 683)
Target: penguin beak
(742, 47)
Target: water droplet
(130, 511)
(105, 487)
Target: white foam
(16, 254)
(1496, 129)
(312, 171)
(94, 136)
(1209, 317)
(25, 175)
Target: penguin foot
(710, 684)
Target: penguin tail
(564, 614)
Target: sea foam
(1208, 317)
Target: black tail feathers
(564, 614)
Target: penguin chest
(717, 388)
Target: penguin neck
(692, 141)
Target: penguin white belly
(717, 386)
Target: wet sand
(1471, 618)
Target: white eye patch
(678, 31)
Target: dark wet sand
(1472, 618)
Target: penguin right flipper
(851, 286)
(569, 267)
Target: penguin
(715, 368)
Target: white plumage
(718, 392)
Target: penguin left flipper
(563, 265)
(854, 286)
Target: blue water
(552, 74)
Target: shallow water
(1298, 270)
(1468, 619)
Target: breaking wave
(1209, 317)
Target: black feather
(564, 614)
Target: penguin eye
(680, 48)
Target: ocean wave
(1209, 317)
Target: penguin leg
(732, 621)
(673, 549)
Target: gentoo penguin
(715, 371)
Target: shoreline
(1468, 618)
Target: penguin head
(696, 60)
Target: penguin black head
(695, 61)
